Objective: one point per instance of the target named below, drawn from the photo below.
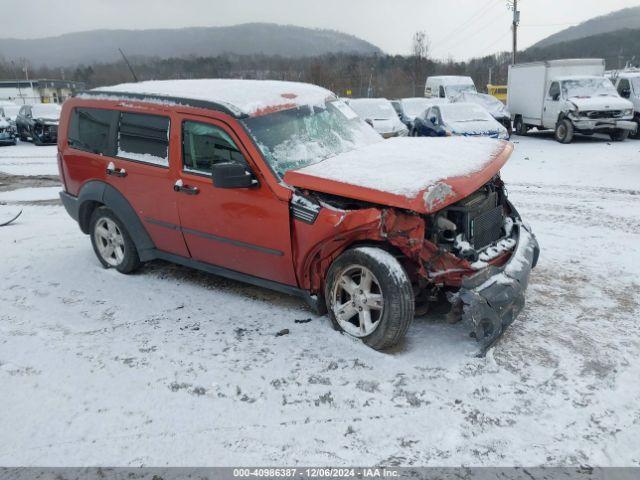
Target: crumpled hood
(601, 103)
(419, 174)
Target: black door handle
(179, 186)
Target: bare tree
(420, 55)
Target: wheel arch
(95, 194)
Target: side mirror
(232, 175)
(369, 121)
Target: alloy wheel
(110, 241)
(357, 301)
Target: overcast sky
(458, 28)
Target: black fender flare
(95, 193)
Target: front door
(241, 229)
(552, 106)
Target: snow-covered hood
(419, 174)
(601, 103)
(388, 125)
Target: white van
(448, 86)
(627, 82)
(570, 96)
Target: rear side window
(93, 130)
(144, 138)
(204, 145)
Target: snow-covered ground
(175, 367)
(28, 159)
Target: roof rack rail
(140, 97)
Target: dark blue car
(463, 119)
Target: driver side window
(204, 145)
(554, 91)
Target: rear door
(241, 229)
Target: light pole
(513, 5)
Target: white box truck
(569, 96)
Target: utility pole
(513, 5)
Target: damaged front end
(476, 253)
(490, 300)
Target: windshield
(415, 106)
(295, 138)
(464, 112)
(453, 90)
(588, 87)
(46, 111)
(373, 109)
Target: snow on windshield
(44, 110)
(588, 87)
(306, 135)
(464, 112)
(373, 108)
(415, 106)
(453, 90)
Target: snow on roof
(250, 97)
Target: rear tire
(619, 135)
(564, 131)
(369, 296)
(519, 127)
(111, 241)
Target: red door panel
(242, 229)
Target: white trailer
(569, 96)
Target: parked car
(38, 122)
(569, 96)
(380, 114)
(494, 106)
(627, 83)
(448, 86)
(282, 185)
(459, 119)
(7, 134)
(409, 108)
(7, 125)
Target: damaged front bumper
(605, 124)
(490, 300)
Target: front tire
(112, 243)
(369, 296)
(619, 135)
(564, 131)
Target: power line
(476, 16)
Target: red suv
(282, 185)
